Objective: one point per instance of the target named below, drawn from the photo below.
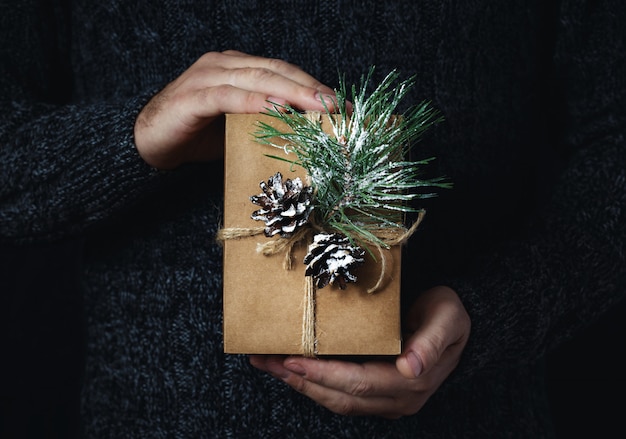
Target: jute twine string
(309, 341)
(304, 234)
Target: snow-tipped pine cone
(330, 258)
(284, 206)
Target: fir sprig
(362, 180)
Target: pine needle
(360, 174)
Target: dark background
(42, 347)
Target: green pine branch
(360, 174)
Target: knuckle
(218, 93)
(211, 57)
(300, 386)
(345, 407)
(260, 74)
(251, 100)
(253, 75)
(362, 387)
(278, 65)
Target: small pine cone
(330, 258)
(284, 206)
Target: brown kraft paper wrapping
(264, 302)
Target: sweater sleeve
(65, 165)
(569, 266)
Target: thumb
(435, 319)
(419, 354)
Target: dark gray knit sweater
(532, 236)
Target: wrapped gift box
(264, 303)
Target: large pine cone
(284, 207)
(330, 258)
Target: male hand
(183, 123)
(440, 329)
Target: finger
(213, 101)
(275, 78)
(391, 403)
(272, 364)
(367, 381)
(272, 76)
(441, 328)
(349, 405)
(364, 380)
(234, 59)
(352, 389)
(273, 84)
(266, 84)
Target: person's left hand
(440, 329)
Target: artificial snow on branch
(361, 180)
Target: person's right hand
(438, 327)
(183, 122)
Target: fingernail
(415, 363)
(328, 99)
(295, 368)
